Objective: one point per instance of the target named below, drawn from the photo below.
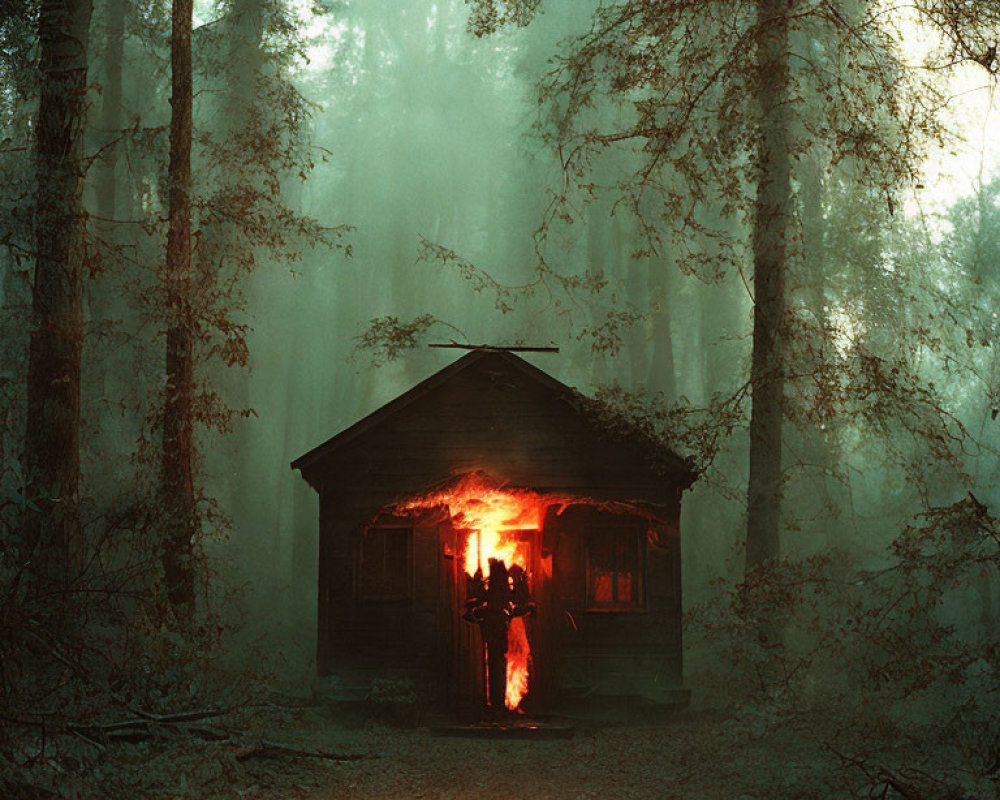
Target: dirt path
(609, 763)
(293, 753)
(598, 761)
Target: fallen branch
(98, 734)
(912, 784)
(182, 716)
(109, 727)
(136, 730)
(209, 734)
(268, 749)
(89, 740)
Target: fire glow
(491, 518)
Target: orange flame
(518, 663)
(490, 515)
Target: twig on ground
(268, 749)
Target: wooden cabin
(602, 554)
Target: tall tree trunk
(246, 58)
(662, 375)
(177, 483)
(773, 211)
(819, 449)
(52, 440)
(111, 111)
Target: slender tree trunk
(246, 60)
(111, 111)
(813, 226)
(773, 211)
(662, 375)
(636, 340)
(819, 447)
(177, 486)
(104, 301)
(52, 440)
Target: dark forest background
(767, 232)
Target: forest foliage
(120, 614)
(616, 178)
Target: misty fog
(371, 177)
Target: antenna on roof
(497, 348)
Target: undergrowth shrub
(889, 670)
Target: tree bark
(246, 60)
(819, 449)
(177, 483)
(52, 437)
(662, 375)
(773, 211)
(111, 111)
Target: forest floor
(315, 753)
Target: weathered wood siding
(360, 638)
(634, 652)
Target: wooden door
(466, 662)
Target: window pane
(614, 561)
(625, 587)
(602, 568)
(627, 565)
(600, 586)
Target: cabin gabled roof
(396, 405)
(680, 469)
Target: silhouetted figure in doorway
(492, 603)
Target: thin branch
(496, 348)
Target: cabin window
(615, 565)
(385, 563)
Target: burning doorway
(493, 535)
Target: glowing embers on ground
(494, 521)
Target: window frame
(404, 594)
(638, 530)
